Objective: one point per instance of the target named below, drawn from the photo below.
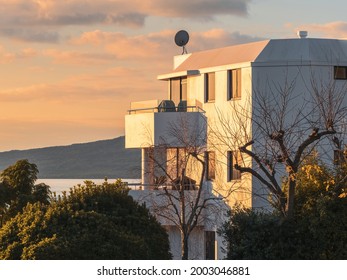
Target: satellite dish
(181, 39)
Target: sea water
(60, 185)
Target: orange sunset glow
(69, 69)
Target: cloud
(118, 84)
(38, 132)
(24, 94)
(82, 12)
(8, 57)
(148, 47)
(216, 38)
(88, 106)
(198, 8)
(27, 53)
(43, 20)
(77, 57)
(109, 64)
(128, 19)
(108, 70)
(336, 29)
(158, 46)
(30, 35)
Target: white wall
(302, 113)
(223, 109)
(165, 128)
(262, 79)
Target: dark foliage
(92, 222)
(17, 189)
(318, 229)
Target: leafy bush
(318, 229)
(91, 222)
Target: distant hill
(80, 161)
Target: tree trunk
(184, 246)
(290, 199)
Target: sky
(69, 69)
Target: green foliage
(91, 222)
(318, 229)
(17, 189)
(254, 235)
(21, 176)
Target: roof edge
(165, 77)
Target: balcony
(160, 201)
(153, 123)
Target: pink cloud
(159, 45)
(116, 84)
(9, 57)
(43, 21)
(216, 38)
(122, 12)
(336, 29)
(23, 94)
(77, 57)
(123, 46)
(123, 69)
(6, 57)
(27, 53)
(196, 8)
(38, 133)
(81, 107)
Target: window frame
(210, 87)
(182, 89)
(232, 158)
(210, 165)
(234, 90)
(340, 72)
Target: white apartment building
(218, 100)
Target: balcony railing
(153, 106)
(140, 186)
(159, 110)
(147, 124)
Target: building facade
(221, 103)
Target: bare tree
(277, 127)
(183, 197)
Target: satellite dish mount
(181, 40)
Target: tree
(317, 231)
(278, 128)
(181, 195)
(17, 188)
(91, 222)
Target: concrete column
(144, 164)
(147, 167)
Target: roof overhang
(187, 73)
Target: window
(234, 157)
(210, 87)
(184, 88)
(234, 84)
(175, 161)
(210, 247)
(340, 72)
(210, 158)
(178, 89)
